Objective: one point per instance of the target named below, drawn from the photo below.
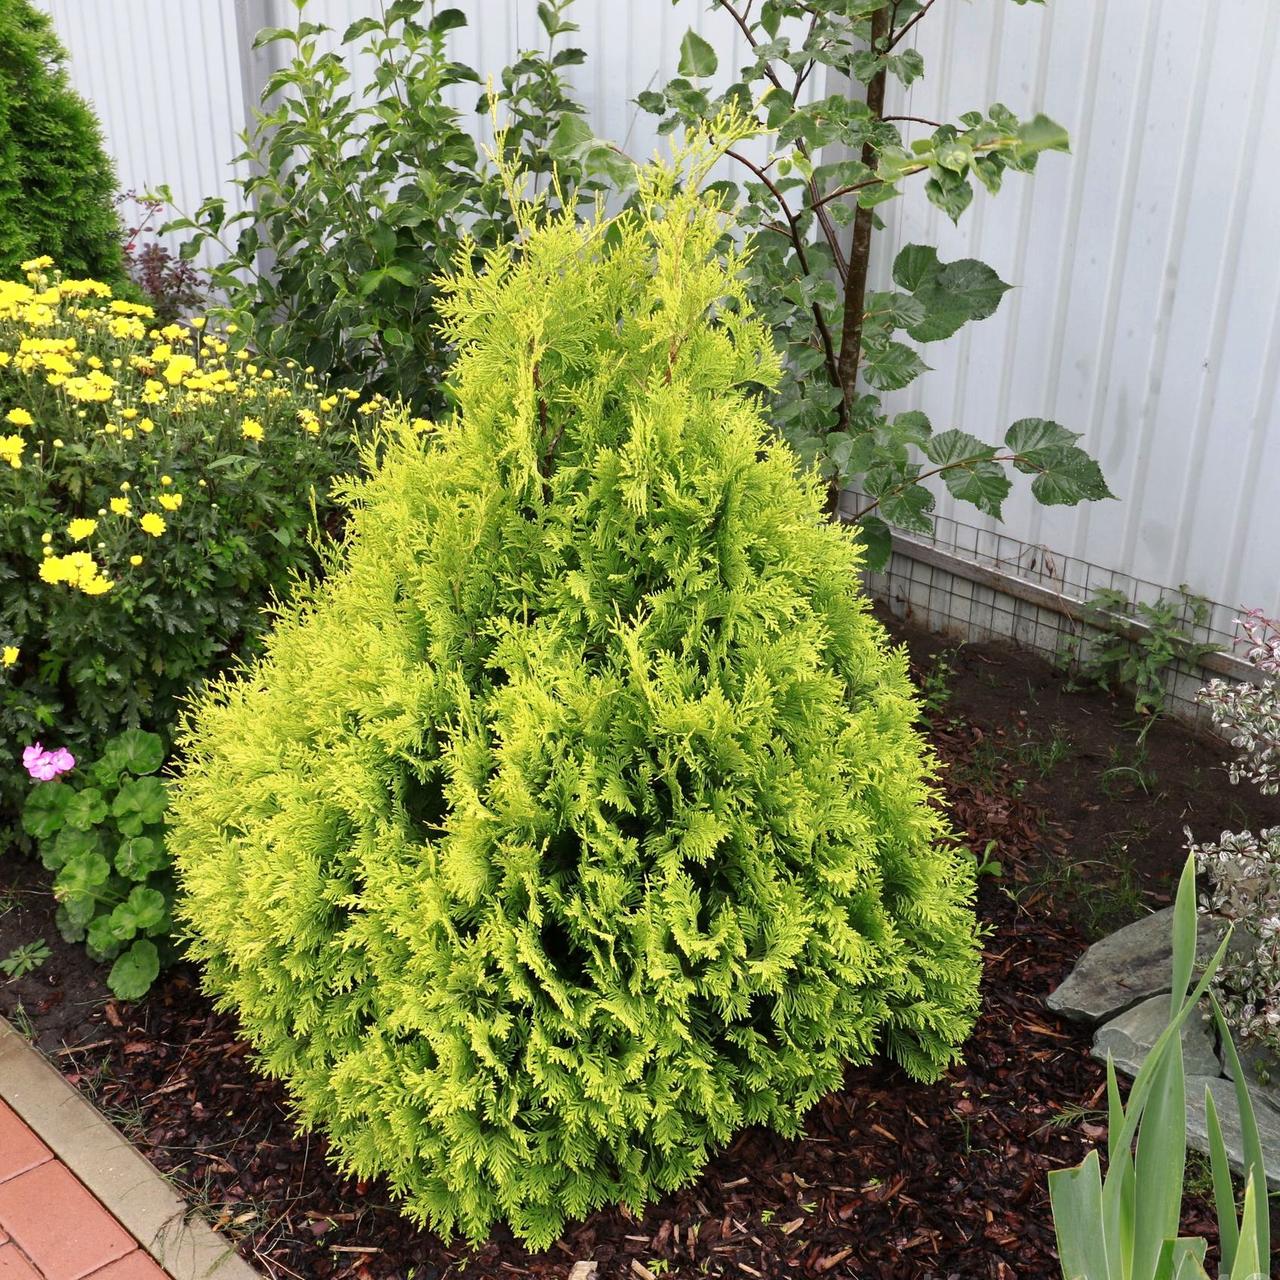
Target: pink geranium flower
(44, 765)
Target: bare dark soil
(892, 1179)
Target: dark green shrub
(578, 819)
(57, 185)
(360, 197)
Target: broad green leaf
(1253, 1253)
(45, 809)
(970, 475)
(138, 857)
(891, 366)
(100, 941)
(1064, 473)
(697, 57)
(571, 136)
(1041, 134)
(915, 264)
(908, 507)
(961, 291)
(140, 803)
(69, 843)
(133, 973)
(876, 540)
(136, 751)
(86, 809)
(140, 912)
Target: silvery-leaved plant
(1243, 867)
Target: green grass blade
(1224, 1195)
(1250, 1254)
(1181, 1259)
(1184, 936)
(1076, 1197)
(1161, 1162)
(1251, 1143)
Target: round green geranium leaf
(133, 973)
(136, 751)
(86, 809)
(140, 803)
(138, 857)
(45, 810)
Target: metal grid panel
(1050, 618)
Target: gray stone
(1126, 968)
(1261, 1073)
(1130, 1036)
(1224, 1101)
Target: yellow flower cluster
(78, 569)
(89, 377)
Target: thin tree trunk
(855, 289)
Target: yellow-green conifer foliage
(578, 819)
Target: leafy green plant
(813, 201)
(25, 959)
(579, 817)
(1138, 657)
(103, 835)
(358, 199)
(57, 185)
(155, 490)
(1125, 1226)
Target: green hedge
(57, 185)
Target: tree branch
(824, 219)
(855, 285)
(897, 36)
(797, 241)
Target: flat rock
(1130, 1035)
(1126, 968)
(1261, 1072)
(1224, 1101)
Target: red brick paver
(51, 1226)
(20, 1149)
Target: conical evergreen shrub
(578, 819)
(57, 184)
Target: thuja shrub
(577, 819)
(57, 184)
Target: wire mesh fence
(977, 584)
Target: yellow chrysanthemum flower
(171, 501)
(178, 368)
(20, 418)
(251, 429)
(11, 448)
(152, 524)
(81, 529)
(121, 506)
(135, 561)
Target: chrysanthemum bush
(578, 818)
(155, 488)
(1243, 867)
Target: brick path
(51, 1226)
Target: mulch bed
(892, 1179)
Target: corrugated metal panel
(164, 77)
(1148, 307)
